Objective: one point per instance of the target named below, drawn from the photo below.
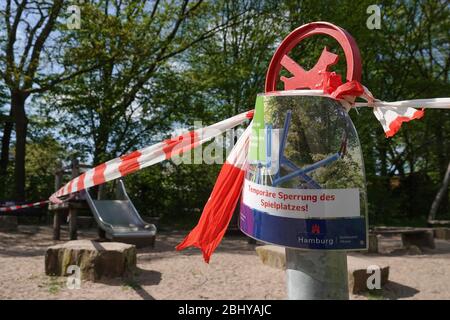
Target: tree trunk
(99, 153)
(18, 109)
(382, 149)
(101, 141)
(440, 195)
(442, 158)
(6, 140)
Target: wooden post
(73, 212)
(73, 230)
(100, 196)
(56, 225)
(58, 176)
(75, 168)
(56, 214)
(101, 233)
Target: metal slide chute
(120, 220)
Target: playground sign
(302, 203)
(304, 186)
(303, 218)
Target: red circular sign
(308, 79)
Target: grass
(131, 283)
(375, 294)
(53, 285)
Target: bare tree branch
(40, 40)
(11, 75)
(63, 78)
(29, 44)
(155, 9)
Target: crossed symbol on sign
(312, 79)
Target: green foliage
(153, 67)
(41, 162)
(43, 155)
(175, 193)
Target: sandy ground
(235, 272)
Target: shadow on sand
(136, 281)
(394, 290)
(167, 241)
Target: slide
(120, 220)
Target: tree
(43, 156)
(25, 37)
(231, 66)
(440, 195)
(112, 109)
(7, 126)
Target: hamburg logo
(315, 229)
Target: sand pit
(235, 271)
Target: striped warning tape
(390, 115)
(139, 159)
(24, 206)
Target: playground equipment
(72, 206)
(118, 220)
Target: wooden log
(419, 238)
(358, 274)
(439, 223)
(442, 233)
(373, 243)
(96, 260)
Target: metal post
(316, 275)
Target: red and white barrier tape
(390, 115)
(24, 206)
(139, 159)
(216, 213)
(148, 156)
